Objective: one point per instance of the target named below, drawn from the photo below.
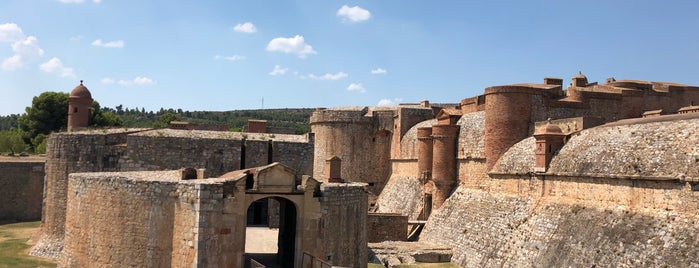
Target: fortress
(524, 175)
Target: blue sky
(229, 55)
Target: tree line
(48, 113)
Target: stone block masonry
(21, 188)
(150, 150)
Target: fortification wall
(386, 227)
(139, 150)
(67, 153)
(21, 188)
(403, 192)
(113, 220)
(343, 210)
(360, 139)
(296, 155)
(495, 230)
(155, 151)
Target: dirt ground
(261, 240)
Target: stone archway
(286, 215)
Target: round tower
(507, 114)
(424, 153)
(79, 104)
(443, 162)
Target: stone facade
(387, 227)
(162, 149)
(162, 221)
(21, 188)
(606, 166)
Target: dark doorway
(262, 236)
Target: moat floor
(261, 240)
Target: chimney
(553, 81)
(333, 169)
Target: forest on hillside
(293, 118)
(27, 132)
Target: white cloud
(139, 81)
(229, 58)
(328, 76)
(278, 70)
(110, 44)
(387, 102)
(356, 87)
(10, 32)
(143, 81)
(378, 71)
(353, 14)
(296, 45)
(54, 65)
(107, 81)
(28, 48)
(12, 63)
(247, 27)
(25, 50)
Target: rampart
(150, 150)
(21, 188)
(363, 136)
(162, 221)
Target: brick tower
(79, 104)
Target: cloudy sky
(228, 55)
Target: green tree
(12, 141)
(103, 118)
(165, 119)
(48, 113)
(39, 143)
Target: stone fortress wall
(149, 150)
(501, 202)
(470, 170)
(21, 188)
(164, 221)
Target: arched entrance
(271, 232)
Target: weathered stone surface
(21, 188)
(668, 150)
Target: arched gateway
(173, 222)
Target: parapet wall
(343, 209)
(21, 188)
(112, 220)
(386, 227)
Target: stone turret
(79, 104)
(580, 80)
(549, 139)
(424, 153)
(443, 162)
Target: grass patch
(13, 245)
